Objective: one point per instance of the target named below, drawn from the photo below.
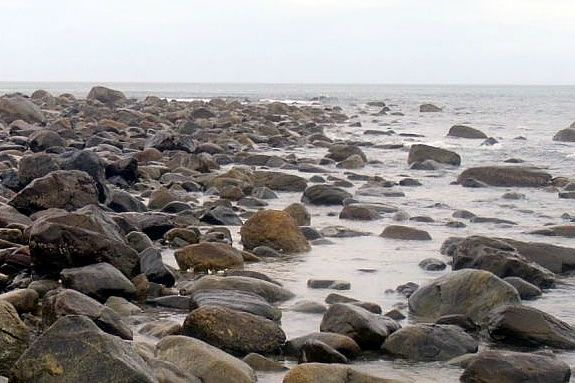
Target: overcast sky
(289, 41)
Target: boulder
(99, 281)
(515, 367)
(526, 290)
(164, 141)
(123, 307)
(152, 266)
(429, 108)
(430, 342)
(126, 169)
(138, 241)
(528, 326)
(421, 153)
(236, 300)
(208, 256)
(19, 108)
(75, 350)
(275, 229)
(261, 363)
(331, 373)
(299, 213)
(23, 300)
(35, 166)
(405, 233)
(236, 332)
(565, 135)
(341, 343)
(352, 162)
(43, 139)
(567, 231)
(359, 212)
(122, 201)
(14, 336)
(63, 302)
(324, 195)
(369, 330)
(557, 259)
(507, 176)
(339, 152)
(315, 351)
(106, 95)
(279, 181)
(473, 293)
(89, 162)
(462, 131)
(432, 264)
(221, 215)
(61, 189)
(197, 358)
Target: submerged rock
(421, 153)
(320, 372)
(507, 176)
(405, 233)
(462, 131)
(565, 135)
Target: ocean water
(523, 119)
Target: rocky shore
(134, 234)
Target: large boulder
(528, 326)
(405, 233)
(473, 293)
(236, 300)
(324, 195)
(14, 336)
(99, 281)
(501, 259)
(507, 176)
(35, 166)
(80, 238)
(41, 140)
(233, 331)
(565, 135)
(152, 266)
(106, 95)
(75, 350)
(19, 108)
(369, 330)
(61, 189)
(63, 302)
(331, 373)
(208, 256)
(515, 367)
(339, 152)
(430, 342)
(463, 131)
(279, 181)
(275, 229)
(197, 358)
(557, 259)
(421, 153)
(90, 163)
(170, 141)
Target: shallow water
(505, 113)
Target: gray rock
(527, 291)
(462, 131)
(106, 95)
(316, 351)
(324, 195)
(235, 300)
(565, 135)
(507, 176)
(99, 281)
(18, 108)
(405, 233)
(420, 153)
(14, 336)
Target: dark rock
(19, 108)
(420, 153)
(98, 281)
(324, 195)
(164, 141)
(526, 290)
(432, 264)
(429, 108)
(235, 300)
(359, 212)
(14, 336)
(507, 176)
(35, 166)
(278, 181)
(221, 215)
(208, 256)
(459, 320)
(463, 131)
(405, 233)
(565, 135)
(341, 343)
(153, 267)
(41, 140)
(315, 351)
(106, 95)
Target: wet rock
(19, 108)
(425, 165)
(164, 141)
(432, 264)
(352, 162)
(89, 162)
(261, 363)
(234, 331)
(172, 301)
(126, 169)
(565, 135)
(204, 361)
(61, 189)
(405, 233)
(299, 213)
(526, 290)
(340, 152)
(161, 328)
(278, 181)
(328, 284)
(264, 193)
(367, 329)
(62, 348)
(341, 343)
(221, 215)
(421, 153)
(308, 307)
(235, 300)
(429, 342)
(14, 336)
(513, 196)
(121, 201)
(42, 140)
(528, 326)
(567, 231)
(515, 367)
(341, 232)
(407, 288)
(489, 142)
(315, 351)
(98, 281)
(208, 256)
(275, 229)
(429, 108)
(324, 195)
(138, 241)
(123, 307)
(152, 266)
(462, 131)
(507, 176)
(23, 300)
(336, 373)
(468, 292)
(360, 213)
(266, 252)
(395, 314)
(106, 95)
(35, 166)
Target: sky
(289, 41)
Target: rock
(330, 373)
(407, 288)
(221, 215)
(106, 95)
(235, 300)
(499, 258)
(261, 363)
(299, 213)
(567, 231)
(60, 354)
(99, 281)
(121, 201)
(429, 342)
(328, 284)
(87, 236)
(352, 162)
(324, 195)
(462, 131)
(161, 328)
(341, 343)
(526, 290)
(266, 252)
(126, 169)
(138, 241)
(425, 165)
(9, 216)
(208, 256)
(565, 135)
(276, 229)
(61, 189)
(515, 367)
(359, 213)
(315, 351)
(340, 152)
(528, 326)
(278, 181)
(64, 302)
(513, 196)
(264, 192)
(172, 301)
(208, 363)
(459, 320)
(233, 331)
(152, 266)
(41, 140)
(309, 307)
(35, 166)
(429, 108)
(421, 153)
(23, 300)
(507, 176)
(468, 292)
(89, 162)
(123, 307)
(341, 232)
(14, 336)
(160, 198)
(405, 233)
(164, 141)
(395, 314)
(432, 264)
(267, 290)
(367, 329)
(18, 108)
